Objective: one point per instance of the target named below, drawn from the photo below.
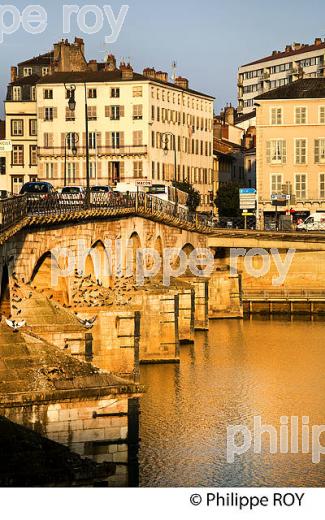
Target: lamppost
(72, 106)
(70, 141)
(168, 139)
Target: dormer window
(28, 71)
(45, 71)
(16, 93)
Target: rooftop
(108, 76)
(302, 88)
(290, 51)
(42, 59)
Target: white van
(315, 222)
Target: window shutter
(99, 169)
(99, 139)
(107, 111)
(317, 159)
(84, 142)
(122, 169)
(41, 113)
(77, 170)
(108, 139)
(122, 111)
(268, 152)
(55, 112)
(41, 170)
(55, 170)
(62, 140)
(284, 152)
(121, 139)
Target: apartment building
(140, 125)
(297, 61)
(291, 148)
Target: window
(48, 114)
(48, 140)
(137, 111)
(115, 92)
(322, 115)
(276, 151)
(92, 170)
(319, 151)
(116, 139)
(301, 151)
(92, 138)
(276, 183)
(137, 138)
(16, 93)
(301, 186)
(33, 155)
(33, 93)
(92, 113)
(17, 127)
(138, 169)
(115, 113)
(48, 93)
(137, 91)
(71, 140)
(322, 185)
(70, 115)
(28, 71)
(153, 113)
(301, 115)
(45, 71)
(276, 116)
(71, 173)
(49, 170)
(92, 93)
(2, 166)
(18, 155)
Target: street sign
(144, 184)
(247, 198)
(5, 146)
(280, 199)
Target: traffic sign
(144, 184)
(247, 197)
(5, 146)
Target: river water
(236, 371)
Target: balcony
(101, 151)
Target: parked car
(101, 195)
(37, 190)
(72, 195)
(315, 222)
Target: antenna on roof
(174, 74)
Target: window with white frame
(301, 186)
(92, 93)
(28, 71)
(301, 115)
(45, 71)
(92, 139)
(92, 113)
(48, 114)
(276, 151)
(300, 151)
(33, 127)
(16, 93)
(115, 92)
(276, 116)
(33, 155)
(320, 151)
(17, 127)
(48, 93)
(322, 185)
(92, 170)
(322, 115)
(18, 155)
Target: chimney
(288, 48)
(297, 46)
(110, 65)
(162, 76)
(182, 82)
(93, 65)
(149, 73)
(126, 70)
(13, 74)
(230, 115)
(318, 41)
(274, 53)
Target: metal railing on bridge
(12, 211)
(284, 295)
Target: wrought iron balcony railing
(100, 151)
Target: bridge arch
(46, 278)
(5, 292)
(101, 263)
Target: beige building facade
(280, 68)
(291, 148)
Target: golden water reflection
(237, 370)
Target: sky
(208, 39)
